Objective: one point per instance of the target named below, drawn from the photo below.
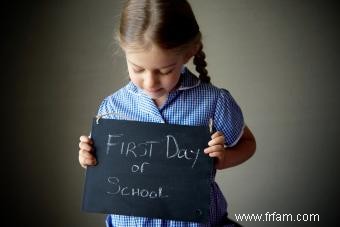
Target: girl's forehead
(149, 50)
(152, 56)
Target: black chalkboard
(149, 170)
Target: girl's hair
(169, 24)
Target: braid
(200, 63)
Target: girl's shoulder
(117, 100)
(191, 81)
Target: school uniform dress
(192, 103)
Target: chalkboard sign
(149, 170)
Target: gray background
(279, 59)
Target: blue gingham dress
(192, 103)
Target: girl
(158, 38)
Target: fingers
(86, 139)
(217, 139)
(86, 156)
(216, 145)
(214, 151)
(85, 146)
(85, 143)
(86, 159)
(216, 134)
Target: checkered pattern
(193, 103)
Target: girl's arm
(232, 156)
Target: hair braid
(200, 63)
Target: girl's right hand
(86, 156)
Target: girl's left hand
(216, 149)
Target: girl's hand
(86, 157)
(216, 149)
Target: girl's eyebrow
(164, 67)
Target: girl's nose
(150, 80)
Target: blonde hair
(169, 24)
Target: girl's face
(155, 71)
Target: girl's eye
(165, 72)
(138, 70)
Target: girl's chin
(156, 94)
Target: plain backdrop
(279, 59)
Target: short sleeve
(109, 109)
(228, 118)
(103, 107)
(106, 110)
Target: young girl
(158, 38)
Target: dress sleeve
(103, 107)
(107, 109)
(228, 118)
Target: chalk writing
(131, 148)
(137, 168)
(145, 149)
(180, 153)
(122, 190)
(109, 143)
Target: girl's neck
(160, 101)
